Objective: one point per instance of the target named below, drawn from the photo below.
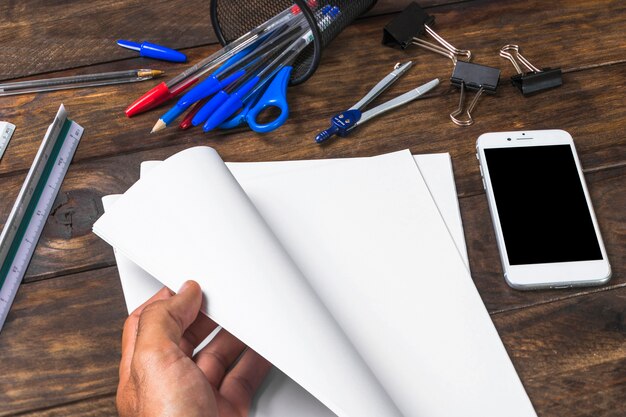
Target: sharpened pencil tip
(159, 125)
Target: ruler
(32, 207)
(6, 131)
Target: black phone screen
(541, 204)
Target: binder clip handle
(534, 79)
(468, 112)
(444, 48)
(516, 55)
(469, 76)
(412, 22)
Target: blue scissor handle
(274, 96)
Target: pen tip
(150, 73)
(159, 125)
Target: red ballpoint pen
(186, 123)
(170, 89)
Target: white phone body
(548, 237)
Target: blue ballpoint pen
(209, 108)
(218, 99)
(152, 50)
(233, 100)
(229, 72)
(209, 86)
(270, 93)
(251, 80)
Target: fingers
(130, 332)
(218, 357)
(196, 333)
(163, 322)
(244, 379)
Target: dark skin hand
(159, 377)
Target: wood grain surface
(60, 346)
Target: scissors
(273, 93)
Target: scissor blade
(382, 85)
(398, 101)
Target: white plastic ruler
(6, 131)
(32, 207)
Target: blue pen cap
(154, 51)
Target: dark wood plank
(54, 29)
(390, 6)
(61, 341)
(60, 347)
(68, 245)
(423, 127)
(103, 406)
(39, 37)
(570, 354)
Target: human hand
(160, 378)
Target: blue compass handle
(341, 124)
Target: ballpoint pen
(154, 51)
(220, 79)
(234, 99)
(230, 71)
(78, 81)
(186, 123)
(251, 73)
(218, 99)
(170, 89)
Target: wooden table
(60, 347)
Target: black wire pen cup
(232, 19)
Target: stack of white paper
(342, 273)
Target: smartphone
(546, 229)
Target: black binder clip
(475, 77)
(405, 29)
(535, 79)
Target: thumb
(166, 320)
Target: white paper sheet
(380, 257)
(163, 224)
(454, 351)
(280, 396)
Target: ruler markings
(34, 204)
(6, 132)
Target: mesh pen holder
(231, 19)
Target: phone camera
(508, 139)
